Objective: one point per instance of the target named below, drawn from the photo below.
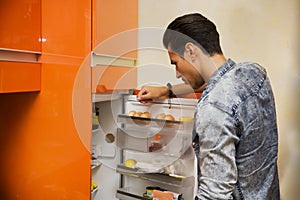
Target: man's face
(185, 70)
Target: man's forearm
(181, 89)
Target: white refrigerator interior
(131, 154)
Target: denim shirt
(235, 135)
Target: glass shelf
(95, 163)
(94, 192)
(166, 179)
(150, 122)
(139, 124)
(96, 130)
(126, 194)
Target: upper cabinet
(20, 25)
(115, 26)
(114, 45)
(66, 29)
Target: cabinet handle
(14, 55)
(108, 60)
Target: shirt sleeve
(216, 159)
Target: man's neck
(211, 63)
(218, 59)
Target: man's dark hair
(193, 28)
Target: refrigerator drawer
(163, 142)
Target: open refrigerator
(134, 157)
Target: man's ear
(191, 50)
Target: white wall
(263, 31)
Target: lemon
(94, 185)
(130, 163)
(186, 118)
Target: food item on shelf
(130, 163)
(146, 197)
(93, 185)
(162, 195)
(145, 115)
(149, 191)
(137, 114)
(131, 113)
(95, 118)
(153, 192)
(161, 116)
(165, 116)
(169, 117)
(156, 143)
(186, 118)
(134, 113)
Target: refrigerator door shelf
(179, 107)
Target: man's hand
(149, 93)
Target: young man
(235, 129)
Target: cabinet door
(20, 25)
(66, 28)
(44, 154)
(115, 26)
(20, 32)
(114, 33)
(111, 73)
(108, 79)
(19, 77)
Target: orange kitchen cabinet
(43, 153)
(66, 29)
(19, 77)
(109, 78)
(45, 136)
(114, 33)
(111, 73)
(20, 25)
(115, 26)
(20, 32)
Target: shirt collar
(217, 75)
